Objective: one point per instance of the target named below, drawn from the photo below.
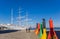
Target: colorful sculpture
(40, 33)
(41, 30)
(37, 29)
(52, 33)
(44, 35)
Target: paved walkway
(19, 35)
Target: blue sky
(37, 9)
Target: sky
(37, 9)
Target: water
(56, 29)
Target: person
(26, 29)
(29, 29)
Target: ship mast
(27, 20)
(11, 16)
(19, 18)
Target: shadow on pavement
(7, 31)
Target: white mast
(27, 20)
(11, 16)
(19, 18)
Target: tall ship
(11, 26)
